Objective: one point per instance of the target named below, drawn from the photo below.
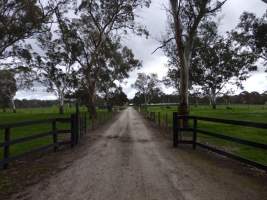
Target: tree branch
(164, 44)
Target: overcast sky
(155, 20)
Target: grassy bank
(38, 114)
(255, 113)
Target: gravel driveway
(132, 160)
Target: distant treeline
(35, 103)
(242, 98)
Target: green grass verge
(38, 114)
(255, 113)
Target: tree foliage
(148, 86)
(216, 62)
(94, 41)
(55, 66)
(20, 20)
(251, 33)
(186, 17)
(8, 89)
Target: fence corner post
(175, 129)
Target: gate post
(85, 123)
(175, 129)
(6, 148)
(195, 134)
(72, 130)
(77, 128)
(55, 136)
(159, 118)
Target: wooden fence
(177, 120)
(161, 119)
(78, 127)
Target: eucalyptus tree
(54, 65)
(217, 62)
(120, 61)
(20, 20)
(251, 33)
(116, 97)
(147, 85)
(186, 16)
(94, 41)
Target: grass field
(36, 114)
(255, 113)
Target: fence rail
(177, 129)
(78, 128)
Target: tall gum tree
(186, 17)
(94, 41)
(147, 85)
(218, 62)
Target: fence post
(6, 147)
(166, 121)
(175, 129)
(54, 133)
(72, 130)
(195, 134)
(80, 126)
(85, 123)
(77, 128)
(159, 118)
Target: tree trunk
(184, 84)
(92, 100)
(213, 98)
(13, 106)
(61, 105)
(183, 53)
(61, 109)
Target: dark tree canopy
(8, 88)
(20, 20)
(251, 33)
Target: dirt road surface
(130, 160)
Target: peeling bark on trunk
(183, 53)
(184, 87)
